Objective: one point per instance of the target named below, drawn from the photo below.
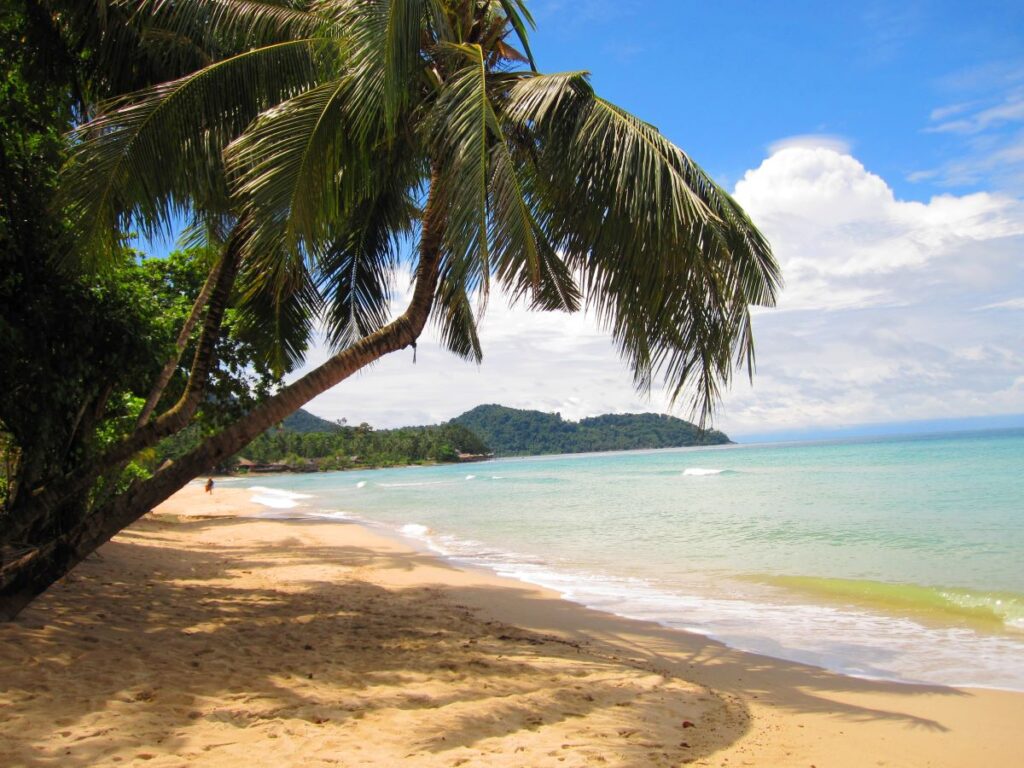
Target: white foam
(276, 498)
(361, 484)
(274, 502)
(850, 641)
(334, 514)
(700, 472)
(470, 477)
(280, 492)
(412, 485)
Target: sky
(879, 146)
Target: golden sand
(201, 638)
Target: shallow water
(900, 558)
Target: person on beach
(209, 485)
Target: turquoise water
(900, 558)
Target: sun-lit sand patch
(224, 642)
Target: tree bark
(179, 345)
(24, 576)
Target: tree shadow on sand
(151, 652)
(154, 653)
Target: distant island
(307, 443)
(515, 432)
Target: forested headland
(305, 442)
(515, 432)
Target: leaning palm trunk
(326, 129)
(28, 573)
(167, 372)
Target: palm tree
(339, 130)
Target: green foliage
(331, 121)
(304, 442)
(69, 343)
(80, 350)
(242, 376)
(514, 432)
(362, 446)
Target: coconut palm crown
(332, 132)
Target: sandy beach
(203, 635)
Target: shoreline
(725, 615)
(253, 592)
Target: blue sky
(727, 80)
(881, 149)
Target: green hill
(304, 422)
(514, 432)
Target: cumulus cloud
(880, 293)
(878, 320)
(811, 141)
(844, 240)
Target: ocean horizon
(895, 557)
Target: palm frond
(525, 262)
(287, 166)
(382, 49)
(277, 317)
(237, 24)
(454, 318)
(667, 260)
(519, 17)
(462, 126)
(206, 230)
(149, 157)
(549, 102)
(357, 269)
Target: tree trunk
(24, 576)
(179, 345)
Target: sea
(896, 558)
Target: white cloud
(987, 128)
(811, 141)
(1009, 110)
(843, 238)
(1017, 303)
(877, 321)
(881, 292)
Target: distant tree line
(351, 447)
(306, 442)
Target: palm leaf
(357, 268)
(286, 169)
(147, 158)
(240, 23)
(382, 49)
(525, 262)
(667, 260)
(454, 318)
(277, 316)
(519, 17)
(462, 126)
